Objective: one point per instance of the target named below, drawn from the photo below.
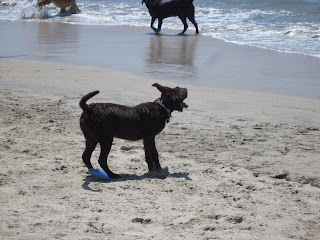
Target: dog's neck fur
(159, 101)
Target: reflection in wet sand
(54, 39)
(172, 56)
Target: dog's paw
(165, 170)
(161, 174)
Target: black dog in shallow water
(101, 122)
(160, 9)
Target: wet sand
(190, 59)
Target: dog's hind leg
(185, 25)
(86, 156)
(152, 156)
(191, 18)
(151, 25)
(105, 146)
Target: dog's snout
(184, 105)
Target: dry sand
(225, 155)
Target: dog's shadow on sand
(132, 177)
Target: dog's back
(130, 123)
(172, 8)
(160, 9)
(62, 4)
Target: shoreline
(191, 60)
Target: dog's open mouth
(182, 106)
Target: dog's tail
(84, 99)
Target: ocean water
(291, 26)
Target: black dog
(160, 9)
(101, 122)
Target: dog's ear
(162, 89)
(183, 92)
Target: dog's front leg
(148, 155)
(105, 146)
(75, 6)
(159, 24)
(152, 157)
(191, 18)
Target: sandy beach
(242, 164)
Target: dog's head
(173, 97)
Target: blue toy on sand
(100, 174)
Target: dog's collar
(159, 101)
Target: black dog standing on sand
(101, 122)
(160, 9)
